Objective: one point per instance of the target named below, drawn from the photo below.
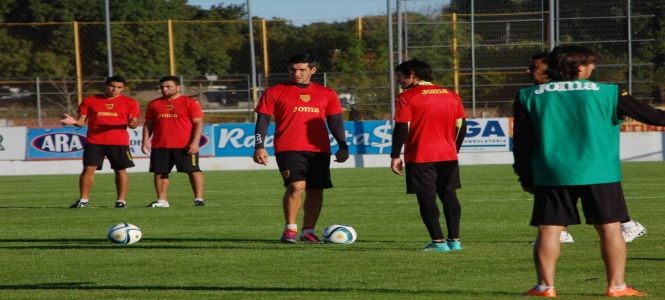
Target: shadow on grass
(647, 258)
(35, 207)
(192, 243)
(102, 206)
(90, 286)
(217, 243)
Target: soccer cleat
(454, 245)
(309, 237)
(547, 293)
(289, 236)
(79, 204)
(199, 203)
(159, 204)
(119, 204)
(566, 237)
(632, 230)
(437, 247)
(628, 291)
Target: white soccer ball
(124, 233)
(339, 234)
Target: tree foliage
(215, 41)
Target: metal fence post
(391, 58)
(169, 25)
(252, 55)
(39, 102)
(473, 62)
(79, 72)
(630, 48)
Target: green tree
(13, 52)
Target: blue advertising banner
(54, 143)
(368, 137)
(67, 142)
(486, 135)
(207, 144)
(237, 139)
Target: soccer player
(430, 120)
(175, 124)
(566, 147)
(107, 115)
(301, 109)
(630, 229)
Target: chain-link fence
(490, 68)
(480, 48)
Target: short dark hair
(564, 61)
(540, 56)
(420, 68)
(116, 78)
(175, 79)
(300, 58)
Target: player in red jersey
(430, 120)
(108, 115)
(301, 110)
(175, 124)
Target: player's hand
(193, 148)
(397, 166)
(341, 155)
(68, 120)
(145, 148)
(261, 156)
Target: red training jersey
(108, 118)
(432, 112)
(300, 115)
(172, 121)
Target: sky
(308, 11)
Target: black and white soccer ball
(124, 233)
(339, 234)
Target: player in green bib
(566, 147)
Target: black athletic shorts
(119, 156)
(162, 161)
(312, 167)
(432, 177)
(557, 205)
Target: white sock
(162, 200)
(542, 287)
(120, 200)
(198, 199)
(619, 287)
(292, 227)
(84, 200)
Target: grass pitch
(229, 248)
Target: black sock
(429, 212)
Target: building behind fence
(479, 48)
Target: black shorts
(557, 205)
(119, 156)
(312, 167)
(162, 161)
(432, 177)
